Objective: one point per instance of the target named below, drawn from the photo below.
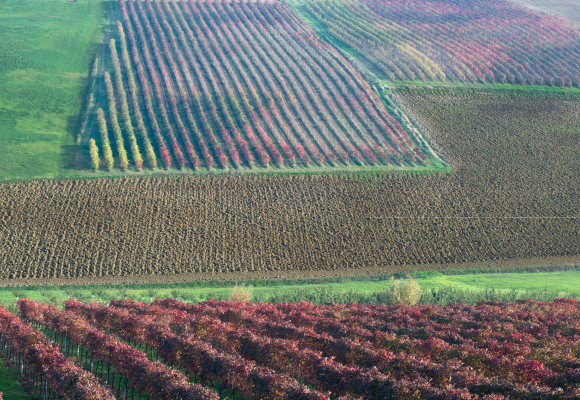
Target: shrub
(77, 294)
(406, 291)
(241, 294)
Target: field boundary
(573, 261)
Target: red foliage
(494, 39)
(245, 82)
(151, 377)
(196, 356)
(60, 374)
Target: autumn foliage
(240, 85)
(106, 145)
(95, 161)
(151, 377)
(46, 363)
(491, 350)
(466, 41)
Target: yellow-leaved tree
(95, 161)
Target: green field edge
(519, 279)
(435, 166)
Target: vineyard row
(238, 85)
(467, 41)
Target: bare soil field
(512, 156)
(569, 9)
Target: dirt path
(569, 9)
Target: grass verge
(46, 50)
(542, 282)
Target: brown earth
(512, 156)
(569, 9)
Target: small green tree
(123, 161)
(95, 161)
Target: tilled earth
(511, 156)
(569, 9)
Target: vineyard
(245, 85)
(467, 41)
(520, 158)
(220, 350)
(349, 141)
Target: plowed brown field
(512, 156)
(569, 9)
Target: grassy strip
(521, 279)
(435, 166)
(441, 296)
(320, 294)
(530, 91)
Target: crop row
(525, 163)
(518, 350)
(152, 377)
(466, 41)
(304, 364)
(491, 350)
(241, 85)
(196, 354)
(515, 340)
(47, 369)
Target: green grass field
(10, 384)
(46, 50)
(565, 282)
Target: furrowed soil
(511, 156)
(569, 9)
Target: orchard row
(463, 41)
(237, 85)
(174, 350)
